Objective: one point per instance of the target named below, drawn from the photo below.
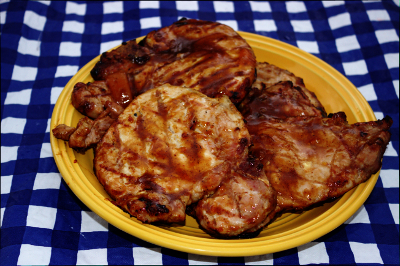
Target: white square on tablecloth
(8, 154)
(34, 255)
(187, 5)
(264, 25)
(327, 4)
(385, 36)
(396, 87)
(347, 43)
(149, 4)
(112, 27)
(302, 25)
(54, 94)
(339, 21)
(105, 46)
(2, 215)
(6, 182)
(34, 21)
(74, 8)
(92, 257)
(113, 7)
(295, 7)
(390, 151)
(41, 217)
(46, 151)
(308, 46)
(378, 115)
(24, 73)
(260, 6)
(378, 15)
(231, 23)
(313, 253)
(47, 181)
(147, 256)
(355, 68)
(13, 125)
(267, 259)
(47, 3)
(73, 26)
(70, 49)
(91, 222)
(224, 6)
(390, 178)
(3, 15)
(66, 71)
(147, 23)
(368, 92)
(18, 97)
(394, 208)
(366, 253)
(48, 125)
(195, 259)
(360, 216)
(29, 47)
(392, 60)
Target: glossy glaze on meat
(169, 148)
(206, 56)
(307, 157)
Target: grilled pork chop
(309, 158)
(169, 148)
(206, 56)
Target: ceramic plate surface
(334, 91)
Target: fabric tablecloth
(44, 43)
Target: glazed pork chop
(169, 148)
(206, 56)
(309, 158)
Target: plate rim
(206, 246)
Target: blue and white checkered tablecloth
(44, 43)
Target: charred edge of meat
(181, 22)
(153, 207)
(143, 42)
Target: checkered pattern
(43, 44)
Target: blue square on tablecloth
(360, 233)
(11, 236)
(379, 213)
(9, 254)
(29, 152)
(45, 197)
(26, 166)
(11, 140)
(22, 182)
(14, 216)
(32, 140)
(65, 239)
(389, 253)
(8, 168)
(386, 234)
(92, 240)
(173, 257)
(340, 253)
(67, 220)
(120, 256)
(20, 197)
(37, 126)
(286, 257)
(37, 236)
(47, 165)
(392, 195)
(14, 110)
(61, 256)
(68, 201)
(339, 234)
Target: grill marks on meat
(308, 157)
(168, 149)
(242, 204)
(205, 56)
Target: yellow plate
(290, 230)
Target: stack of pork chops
(188, 122)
